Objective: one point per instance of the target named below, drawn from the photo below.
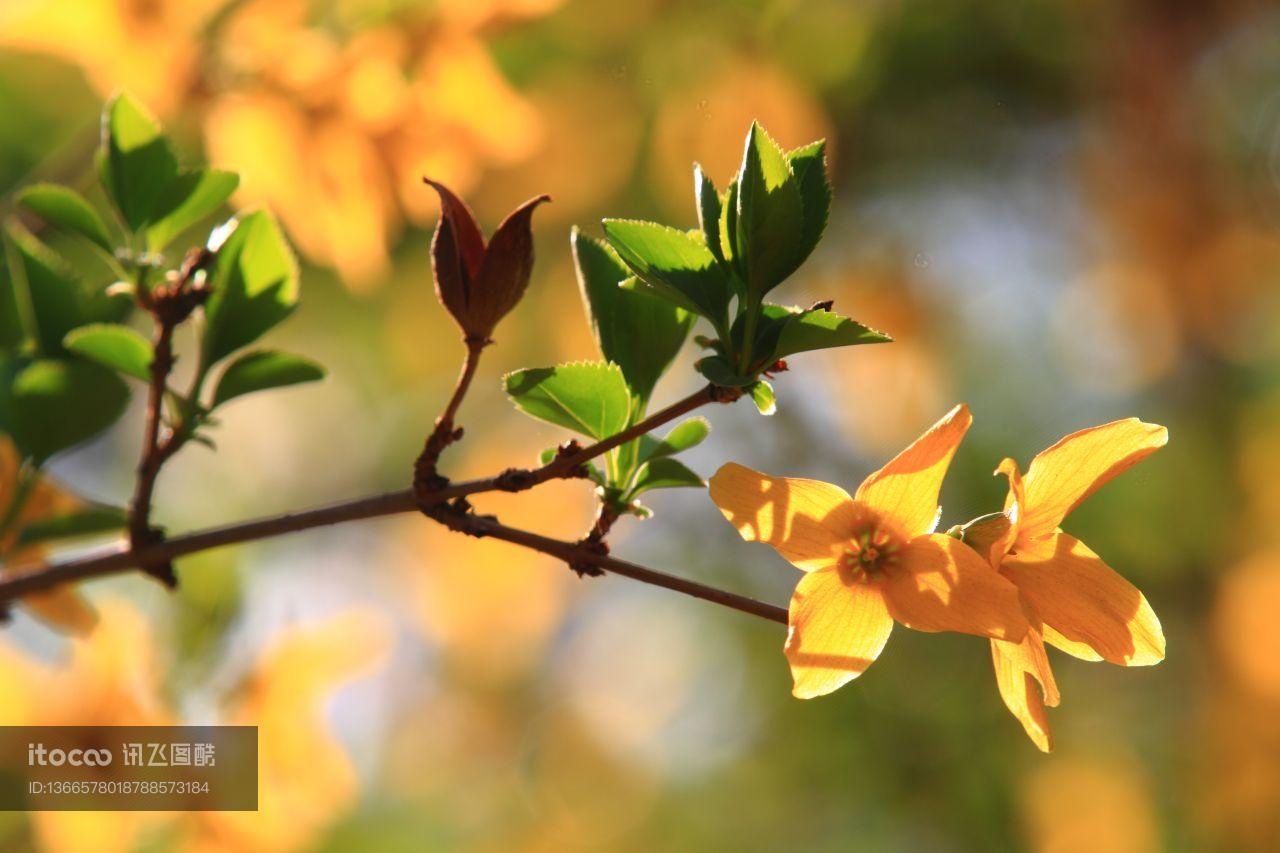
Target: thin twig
(606, 516)
(568, 463)
(169, 304)
(460, 519)
(49, 576)
(154, 453)
(425, 475)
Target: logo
(37, 754)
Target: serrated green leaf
(770, 223)
(255, 286)
(674, 264)
(136, 160)
(66, 209)
(189, 198)
(262, 370)
(708, 210)
(85, 522)
(59, 403)
(665, 474)
(587, 397)
(762, 396)
(809, 163)
(689, 433)
(813, 330)
(635, 330)
(718, 371)
(118, 347)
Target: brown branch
(606, 516)
(568, 463)
(456, 516)
(425, 475)
(152, 550)
(49, 576)
(154, 453)
(169, 303)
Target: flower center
(872, 551)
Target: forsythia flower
(870, 559)
(109, 678)
(1073, 600)
(328, 126)
(63, 607)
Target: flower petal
(941, 584)
(1084, 602)
(1026, 684)
(906, 489)
(835, 631)
(1078, 465)
(807, 521)
(64, 609)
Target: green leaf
(718, 371)
(770, 215)
(689, 433)
(708, 210)
(118, 347)
(64, 208)
(136, 161)
(255, 286)
(59, 301)
(665, 474)
(86, 522)
(809, 163)
(819, 329)
(191, 197)
(762, 396)
(635, 330)
(728, 228)
(587, 397)
(60, 403)
(676, 265)
(261, 370)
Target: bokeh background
(1065, 212)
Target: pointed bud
(478, 284)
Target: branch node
(590, 570)
(515, 480)
(723, 393)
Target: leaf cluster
(81, 269)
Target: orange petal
(64, 609)
(941, 584)
(835, 632)
(1078, 465)
(1026, 684)
(906, 490)
(807, 521)
(1084, 602)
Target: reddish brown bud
(478, 284)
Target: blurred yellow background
(1065, 213)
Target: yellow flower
(331, 132)
(1072, 599)
(870, 559)
(62, 608)
(306, 780)
(110, 678)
